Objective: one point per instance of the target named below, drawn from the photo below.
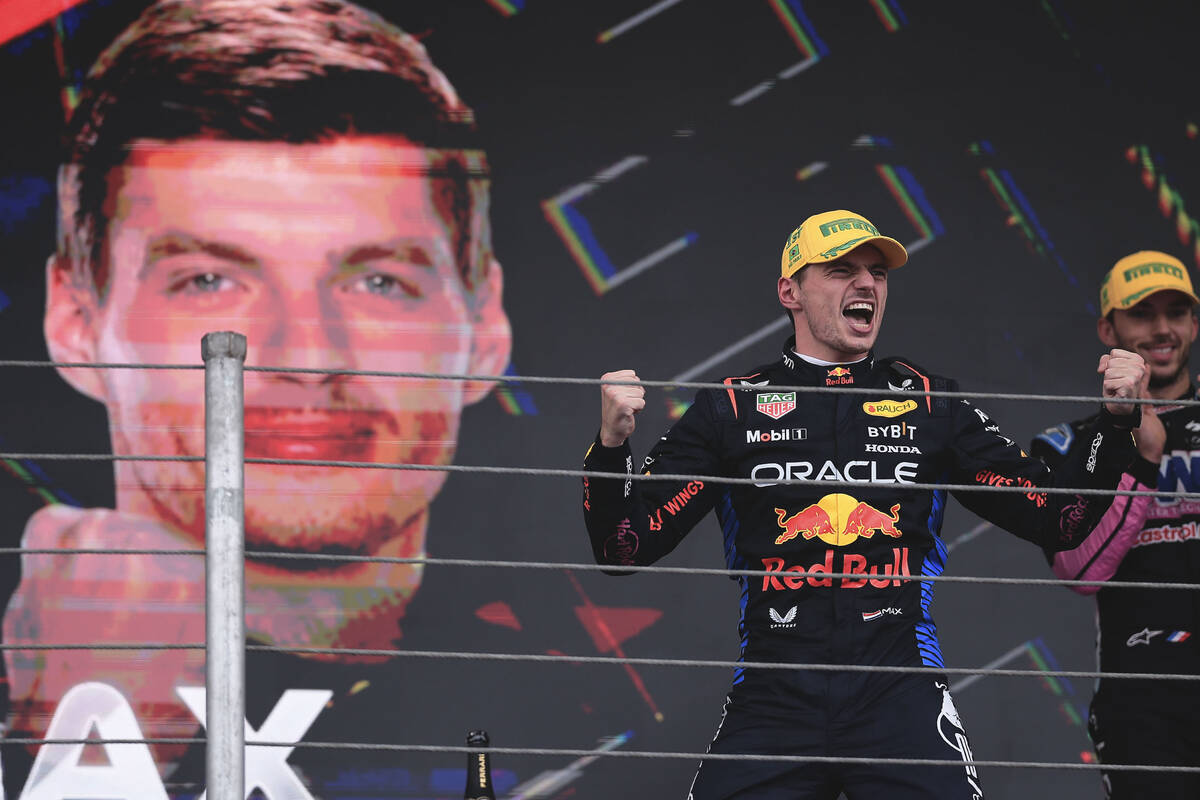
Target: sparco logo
(1091, 462)
(853, 472)
(785, 435)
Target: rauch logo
(888, 408)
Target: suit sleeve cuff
(1121, 422)
(607, 459)
(1144, 472)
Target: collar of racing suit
(1191, 393)
(850, 374)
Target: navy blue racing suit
(872, 526)
(1143, 630)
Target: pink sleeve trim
(1099, 555)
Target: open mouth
(860, 314)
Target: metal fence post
(224, 353)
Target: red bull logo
(809, 522)
(782, 576)
(838, 519)
(838, 376)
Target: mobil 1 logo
(768, 436)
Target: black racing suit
(1156, 631)
(871, 526)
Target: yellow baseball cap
(829, 236)
(1136, 277)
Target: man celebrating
(300, 172)
(853, 513)
(1147, 305)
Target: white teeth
(860, 307)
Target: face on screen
(328, 256)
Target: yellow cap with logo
(1136, 277)
(833, 234)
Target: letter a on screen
(130, 773)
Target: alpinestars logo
(949, 727)
(787, 620)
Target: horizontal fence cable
(661, 384)
(793, 574)
(548, 658)
(637, 476)
(617, 753)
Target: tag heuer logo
(887, 408)
(776, 404)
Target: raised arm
(1101, 553)
(636, 522)
(1054, 521)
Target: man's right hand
(1123, 372)
(618, 405)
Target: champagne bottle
(479, 769)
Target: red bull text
(838, 376)
(879, 576)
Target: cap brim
(894, 254)
(1148, 291)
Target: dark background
(1046, 99)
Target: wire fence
(325, 559)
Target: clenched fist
(1123, 373)
(618, 404)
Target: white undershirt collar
(823, 363)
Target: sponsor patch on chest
(775, 404)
